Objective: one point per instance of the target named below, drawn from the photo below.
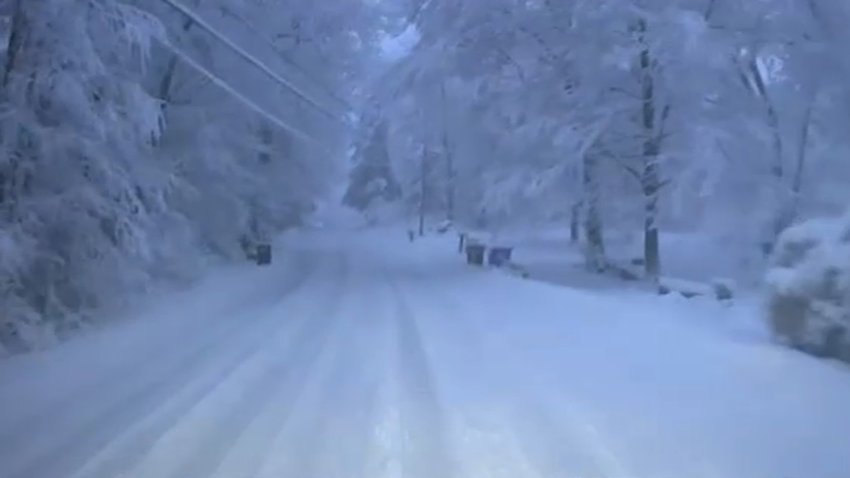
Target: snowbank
(809, 287)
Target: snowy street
(424, 239)
(378, 358)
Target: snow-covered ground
(548, 253)
(361, 355)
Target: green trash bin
(475, 254)
(264, 254)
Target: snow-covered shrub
(809, 287)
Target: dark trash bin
(499, 256)
(833, 342)
(475, 254)
(264, 254)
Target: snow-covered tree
(628, 115)
(372, 178)
(140, 139)
(79, 197)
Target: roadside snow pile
(809, 287)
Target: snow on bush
(809, 287)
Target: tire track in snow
(543, 437)
(277, 434)
(328, 436)
(421, 423)
(159, 346)
(383, 438)
(281, 382)
(484, 446)
(130, 449)
(132, 396)
(556, 433)
(160, 353)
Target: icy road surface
(377, 358)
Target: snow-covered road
(371, 357)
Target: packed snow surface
(358, 354)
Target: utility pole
(450, 170)
(423, 173)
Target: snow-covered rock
(809, 287)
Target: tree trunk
(778, 167)
(171, 69)
(595, 248)
(447, 152)
(423, 191)
(651, 251)
(164, 93)
(778, 195)
(788, 200)
(650, 177)
(575, 222)
(20, 29)
(797, 184)
(266, 136)
(24, 59)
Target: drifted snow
(371, 357)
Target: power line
(242, 98)
(247, 56)
(283, 56)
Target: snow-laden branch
(251, 59)
(593, 136)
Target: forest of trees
(719, 117)
(136, 145)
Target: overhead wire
(286, 59)
(203, 24)
(296, 132)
